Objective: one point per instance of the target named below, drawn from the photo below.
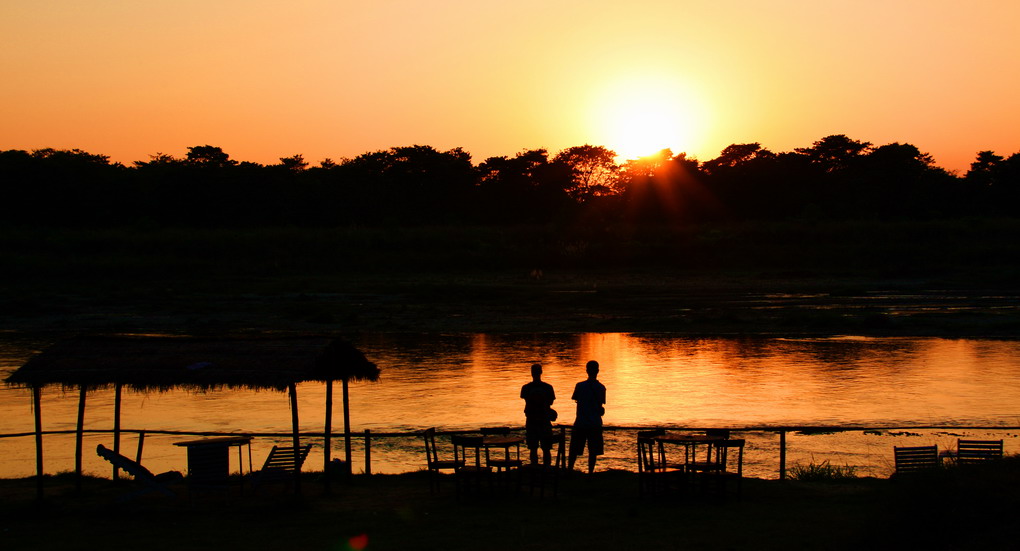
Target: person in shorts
(590, 396)
(538, 397)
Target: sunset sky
(329, 78)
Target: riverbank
(507, 302)
(935, 278)
(953, 509)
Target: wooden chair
(726, 466)
(969, 452)
(149, 482)
(435, 465)
(470, 473)
(507, 463)
(655, 475)
(540, 476)
(511, 457)
(915, 459)
(282, 465)
(710, 460)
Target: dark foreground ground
(974, 509)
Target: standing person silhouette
(590, 396)
(538, 397)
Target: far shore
(657, 301)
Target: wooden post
(117, 391)
(347, 427)
(79, 437)
(327, 438)
(138, 456)
(782, 455)
(292, 390)
(37, 403)
(368, 451)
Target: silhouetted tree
(209, 156)
(295, 163)
(997, 181)
(983, 171)
(593, 169)
(835, 152)
(524, 188)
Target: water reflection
(465, 381)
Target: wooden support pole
(37, 404)
(79, 437)
(368, 451)
(138, 455)
(117, 392)
(782, 455)
(327, 436)
(292, 390)
(347, 427)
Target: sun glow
(640, 117)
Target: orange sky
(330, 78)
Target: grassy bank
(958, 509)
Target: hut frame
(160, 363)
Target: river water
(466, 381)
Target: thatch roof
(164, 362)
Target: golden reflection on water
(470, 381)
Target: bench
(977, 451)
(913, 459)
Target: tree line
(836, 177)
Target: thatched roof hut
(167, 362)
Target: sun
(640, 117)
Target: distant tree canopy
(835, 177)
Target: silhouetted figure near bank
(538, 397)
(590, 396)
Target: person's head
(536, 371)
(592, 368)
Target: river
(466, 381)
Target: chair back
(429, 435)
(286, 458)
(911, 459)
(129, 466)
(559, 441)
(722, 454)
(977, 451)
(648, 455)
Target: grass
(956, 509)
(823, 472)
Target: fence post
(782, 455)
(368, 451)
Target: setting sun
(639, 117)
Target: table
(504, 442)
(209, 459)
(506, 463)
(690, 442)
